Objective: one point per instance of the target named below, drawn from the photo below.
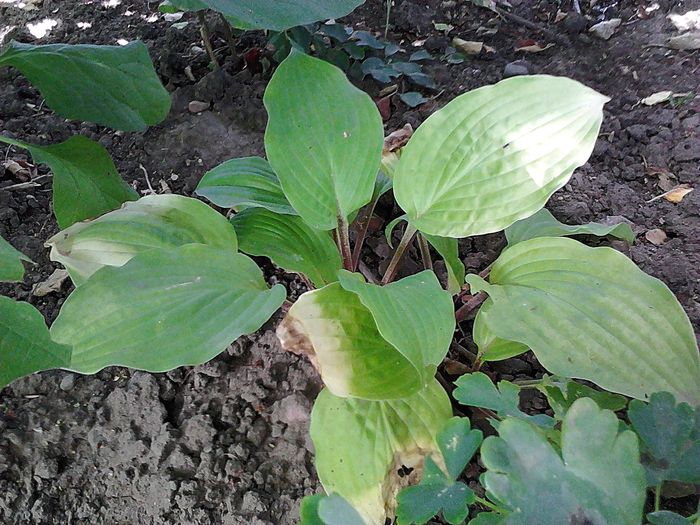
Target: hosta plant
(165, 281)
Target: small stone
(656, 236)
(517, 68)
(67, 382)
(606, 29)
(197, 106)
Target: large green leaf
(492, 348)
(85, 181)
(360, 445)
(543, 224)
(11, 267)
(164, 309)
(115, 86)
(154, 221)
(280, 14)
(289, 242)
(372, 342)
(590, 313)
(25, 344)
(597, 479)
(248, 181)
(496, 154)
(324, 139)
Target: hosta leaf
(496, 154)
(597, 478)
(543, 224)
(590, 313)
(85, 181)
(439, 490)
(165, 308)
(478, 390)
(11, 267)
(324, 139)
(25, 344)
(372, 342)
(666, 517)
(670, 438)
(248, 181)
(115, 86)
(360, 445)
(492, 348)
(154, 221)
(289, 242)
(448, 249)
(335, 510)
(308, 511)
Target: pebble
(67, 382)
(197, 106)
(514, 69)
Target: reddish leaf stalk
(425, 252)
(362, 222)
(472, 304)
(398, 254)
(342, 238)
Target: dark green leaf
(379, 70)
(543, 224)
(670, 436)
(413, 99)
(85, 181)
(11, 267)
(367, 39)
(115, 86)
(25, 344)
(561, 394)
(289, 242)
(391, 49)
(420, 55)
(488, 518)
(247, 181)
(422, 79)
(666, 517)
(339, 32)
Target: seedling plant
(164, 281)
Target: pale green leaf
(115, 86)
(25, 344)
(335, 510)
(590, 313)
(597, 479)
(496, 154)
(543, 224)
(281, 14)
(11, 267)
(324, 139)
(448, 249)
(492, 348)
(248, 181)
(85, 181)
(165, 308)
(360, 445)
(154, 221)
(290, 243)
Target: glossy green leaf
(543, 224)
(562, 393)
(25, 344)
(666, 517)
(478, 390)
(165, 308)
(590, 313)
(85, 181)
(154, 221)
(491, 347)
(670, 438)
(597, 478)
(439, 490)
(335, 510)
(448, 249)
(360, 445)
(248, 181)
(324, 139)
(496, 154)
(290, 243)
(11, 267)
(372, 342)
(115, 86)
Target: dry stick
(471, 305)
(531, 25)
(342, 238)
(204, 31)
(362, 221)
(229, 37)
(425, 252)
(393, 267)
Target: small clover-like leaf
(488, 518)
(596, 479)
(562, 393)
(670, 436)
(438, 490)
(479, 391)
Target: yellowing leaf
(468, 47)
(657, 98)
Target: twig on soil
(204, 32)
(532, 25)
(148, 181)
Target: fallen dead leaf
(674, 195)
(20, 170)
(656, 236)
(667, 180)
(531, 46)
(384, 107)
(657, 98)
(689, 21)
(685, 42)
(468, 47)
(397, 139)
(52, 284)
(605, 29)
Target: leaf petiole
(342, 238)
(393, 267)
(486, 503)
